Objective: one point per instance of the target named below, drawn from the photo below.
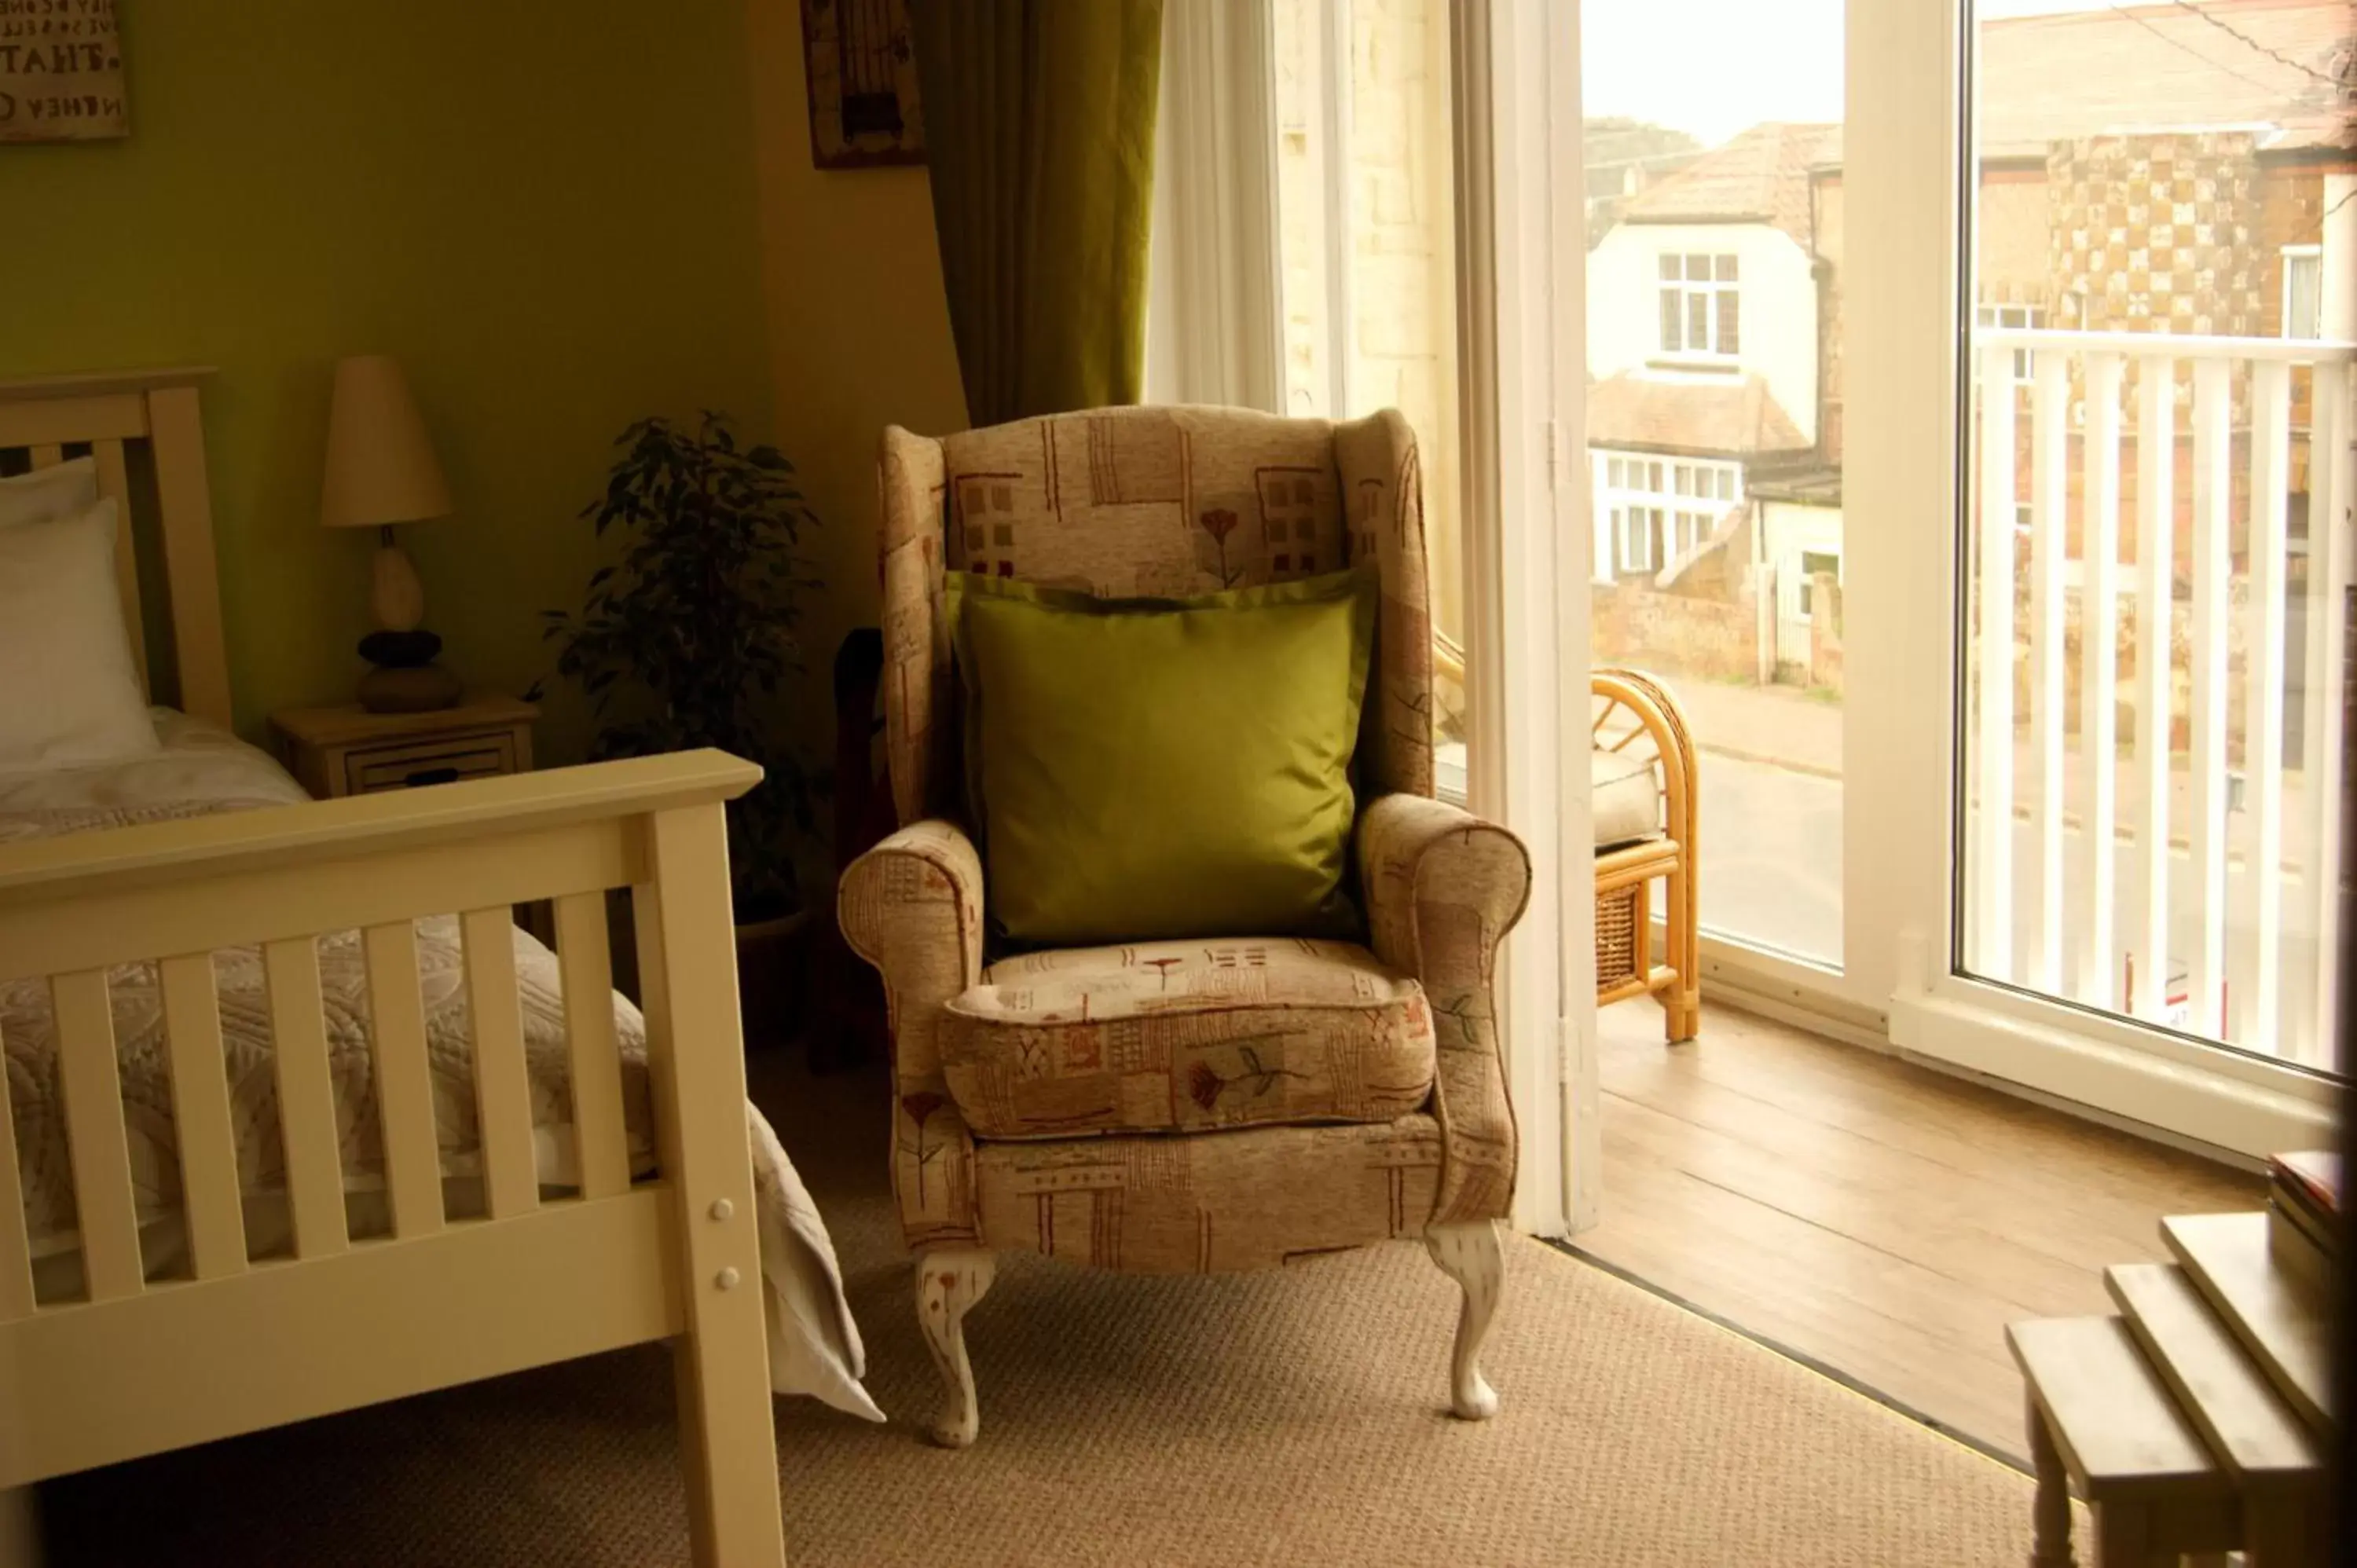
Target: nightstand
(348, 750)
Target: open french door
(2007, 606)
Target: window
(1811, 563)
(1701, 314)
(1365, 229)
(2013, 316)
(2303, 291)
(1661, 510)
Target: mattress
(202, 769)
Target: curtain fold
(1039, 138)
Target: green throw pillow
(1164, 767)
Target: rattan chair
(1643, 774)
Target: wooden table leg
(2122, 1536)
(2050, 1511)
(2286, 1532)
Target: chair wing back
(1152, 501)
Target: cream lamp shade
(380, 463)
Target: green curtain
(1040, 134)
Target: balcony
(2157, 687)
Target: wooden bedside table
(348, 750)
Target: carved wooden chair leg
(1469, 1253)
(949, 1280)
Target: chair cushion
(1164, 767)
(1627, 798)
(1187, 1036)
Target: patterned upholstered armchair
(1202, 1105)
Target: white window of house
(1639, 531)
(2022, 316)
(1701, 306)
(1662, 510)
(2303, 291)
(1811, 563)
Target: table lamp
(382, 471)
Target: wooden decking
(1877, 1216)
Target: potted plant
(682, 643)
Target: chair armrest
(1443, 888)
(912, 907)
(1657, 711)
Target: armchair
(1183, 1106)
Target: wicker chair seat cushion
(1187, 1036)
(1627, 798)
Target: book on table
(2304, 1220)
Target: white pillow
(61, 489)
(69, 692)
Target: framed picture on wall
(861, 67)
(61, 73)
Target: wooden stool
(2101, 1420)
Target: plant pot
(772, 971)
(773, 978)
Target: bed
(296, 1118)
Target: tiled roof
(2078, 73)
(1734, 417)
(1760, 177)
(2165, 67)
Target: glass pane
(1709, 108)
(1366, 233)
(1670, 270)
(2152, 755)
(2303, 296)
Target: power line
(2119, 8)
(2331, 81)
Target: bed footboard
(137, 1365)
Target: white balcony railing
(2186, 879)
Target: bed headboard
(145, 430)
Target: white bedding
(814, 1345)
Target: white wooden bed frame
(143, 1365)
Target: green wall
(546, 213)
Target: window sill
(1709, 365)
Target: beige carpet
(1295, 1417)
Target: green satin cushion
(1142, 768)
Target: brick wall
(1678, 634)
(2157, 233)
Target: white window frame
(1709, 293)
(1804, 582)
(1632, 487)
(1521, 266)
(2025, 362)
(2314, 256)
(1907, 225)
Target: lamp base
(409, 688)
